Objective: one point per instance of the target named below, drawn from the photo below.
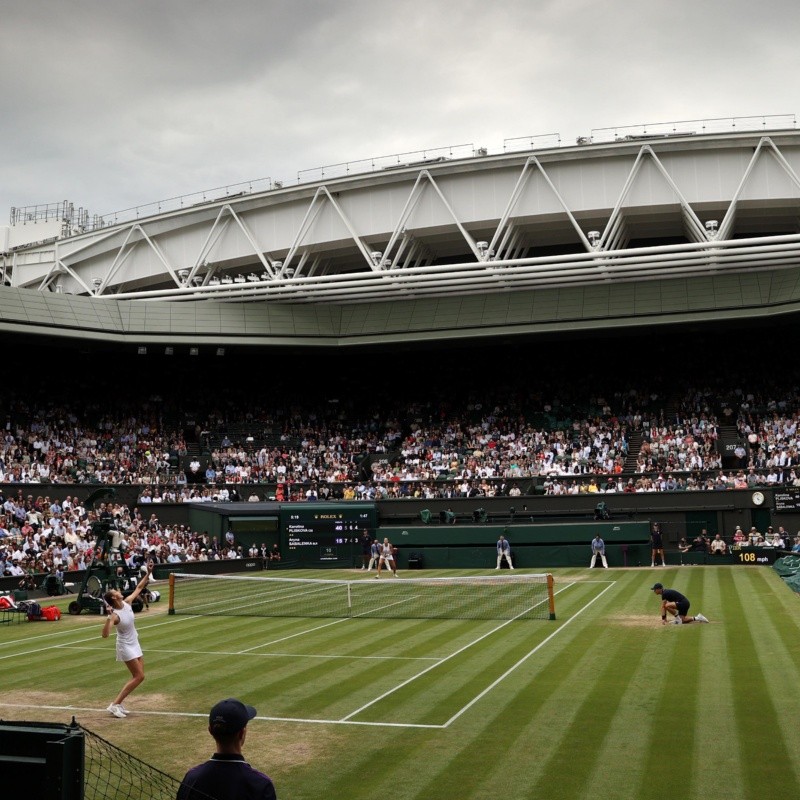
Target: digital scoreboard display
(326, 532)
(787, 498)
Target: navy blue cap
(229, 716)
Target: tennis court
(576, 707)
(327, 669)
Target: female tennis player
(120, 613)
(387, 557)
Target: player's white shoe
(122, 709)
(116, 711)
(677, 621)
(700, 618)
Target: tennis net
(523, 596)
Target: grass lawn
(604, 702)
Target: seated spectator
(718, 546)
(699, 544)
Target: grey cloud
(111, 104)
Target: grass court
(602, 702)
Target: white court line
(204, 715)
(445, 659)
(527, 656)
(93, 638)
(291, 636)
(318, 628)
(345, 720)
(262, 655)
(268, 598)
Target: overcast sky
(112, 104)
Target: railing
(537, 142)
(78, 220)
(184, 201)
(48, 212)
(690, 127)
(414, 158)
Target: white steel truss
(407, 266)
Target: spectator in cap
(226, 775)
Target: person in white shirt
(120, 614)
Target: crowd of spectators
(718, 545)
(39, 535)
(495, 440)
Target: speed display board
(325, 533)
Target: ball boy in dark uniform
(674, 603)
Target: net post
(349, 599)
(551, 598)
(171, 594)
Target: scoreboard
(787, 498)
(325, 533)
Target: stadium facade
(641, 229)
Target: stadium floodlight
(240, 279)
(594, 238)
(213, 282)
(226, 279)
(253, 278)
(277, 264)
(183, 274)
(711, 227)
(376, 257)
(194, 351)
(290, 272)
(141, 350)
(265, 276)
(220, 351)
(168, 351)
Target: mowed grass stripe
(778, 652)
(436, 696)
(345, 685)
(718, 753)
(614, 657)
(669, 760)
(332, 682)
(621, 756)
(446, 688)
(505, 743)
(756, 715)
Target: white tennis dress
(127, 639)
